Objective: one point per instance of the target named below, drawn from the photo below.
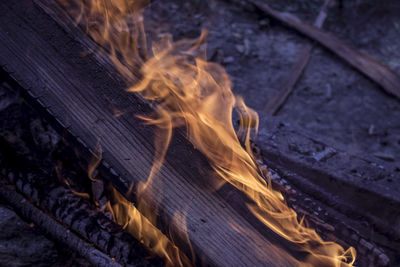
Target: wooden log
(75, 90)
(370, 67)
(54, 229)
(278, 100)
(355, 185)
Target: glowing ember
(191, 92)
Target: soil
(331, 99)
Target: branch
(370, 67)
(278, 100)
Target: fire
(139, 222)
(196, 94)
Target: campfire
(155, 160)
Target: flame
(141, 225)
(191, 92)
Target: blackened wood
(370, 67)
(54, 229)
(76, 92)
(357, 186)
(352, 184)
(79, 216)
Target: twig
(370, 67)
(277, 101)
(54, 229)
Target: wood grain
(77, 92)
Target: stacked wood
(69, 218)
(54, 229)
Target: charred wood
(54, 229)
(77, 99)
(89, 116)
(74, 213)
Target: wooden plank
(278, 100)
(370, 67)
(327, 175)
(75, 90)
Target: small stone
(383, 260)
(228, 60)
(264, 168)
(384, 156)
(237, 35)
(240, 48)
(325, 154)
(328, 91)
(371, 129)
(246, 46)
(366, 244)
(249, 31)
(377, 252)
(263, 22)
(354, 237)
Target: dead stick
(277, 101)
(372, 68)
(54, 229)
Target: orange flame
(197, 94)
(141, 225)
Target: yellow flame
(141, 225)
(197, 94)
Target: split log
(75, 91)
(54, 229)
(370, 67)
(277, 101)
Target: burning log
(189, 203)
(42, 58)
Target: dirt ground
(332, 99)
